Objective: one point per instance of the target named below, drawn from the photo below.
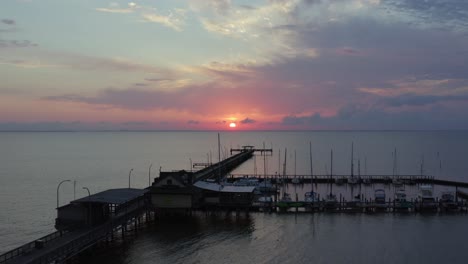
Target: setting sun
(232, 125)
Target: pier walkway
(64, 244)
(100, 216)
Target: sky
(263, 65)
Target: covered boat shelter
(98, 208)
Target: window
(169, 182)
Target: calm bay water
(32, 164)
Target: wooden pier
(71, 240)
(100, 217)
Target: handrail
(29, 246)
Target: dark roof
(113, 196)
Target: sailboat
(396, 179)
(295, 180)
(355, 202)
(330, 199)
(311, 197)
(285, 199)
(352, 179)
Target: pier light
(149, 174)
(58, 187)
(129, 174)
(86, 188)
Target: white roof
(223, 188)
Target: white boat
(265, 199)
(447, 201)
(379, 199)
(266, 186)
(397, 182)
(247, 182)
(296, 180)
(401, 203)
(311, 197)
(353, 180)
(367, 181)
(425, 200)
(330, 201)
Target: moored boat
(425, 200)
(379, 199)
(400, 201)
(447, 201)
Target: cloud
(421, 100)
(8, 21)
(377, 119)
(247, 121)
(115, 8)
(17, 44)
(172, 21)
(77, 126)
(157, 79)
(28, 64)
(193, 122)
(438, 14)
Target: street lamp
(58, 190)
(129, 173)
(86, 188)
(149, 174)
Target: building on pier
(98, 208)
(174, 191)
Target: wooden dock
(65, 244)
(363, 179)
(126, 209)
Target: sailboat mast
(331, 172)
(352, 159)
(294, 164)
(284, 167)
(279, 161)
(264, 162)
(219, 159)
(284, 164)
(311, 168)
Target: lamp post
(86, 188)
(129, 173)
(149, 174)
(191, 166)
(58, 187)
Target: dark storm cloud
(247, 121)
(377, 119)
(421, 100)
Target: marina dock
(87, 221)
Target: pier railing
(30, 246)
